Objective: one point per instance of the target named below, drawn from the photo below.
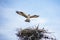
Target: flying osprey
(26, 16)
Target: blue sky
(48, 10)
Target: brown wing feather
(22, 14)
(34, 16)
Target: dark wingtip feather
(17, 11)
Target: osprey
(26, 16)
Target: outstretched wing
(22, 14)
(34, 16)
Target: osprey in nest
(26, 16)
